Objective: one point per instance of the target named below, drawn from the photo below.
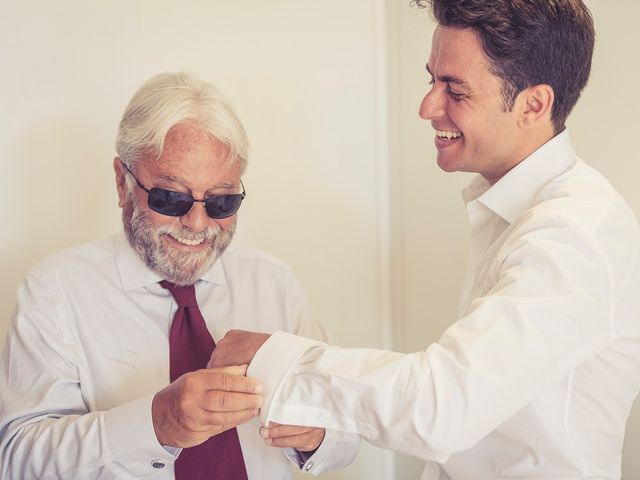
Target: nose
(196, 219)
(432, 105)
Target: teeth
(186, 241)
(448, 134)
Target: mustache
(140, 217)
(210, 234)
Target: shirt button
(157, 464)
(309, 466)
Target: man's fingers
(277, 430)
(240, 370)
(237, 347)
(221, 421)
(301, 438)
(283, 442)
(224, 401)
(203, 403)
(305, 442)
(230, 379)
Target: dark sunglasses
(177, 204)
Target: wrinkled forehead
(192, 156)
(184, 136)
(187, 139)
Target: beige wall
(429, 220)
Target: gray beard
(178, 267)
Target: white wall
(429, 220)
(305, 78)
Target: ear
(121, 182)
(536, 105)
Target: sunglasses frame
(195, 200)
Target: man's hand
(204, 403)
(238, 347)
(303, 439)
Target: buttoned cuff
(273, 361)
(337, 450)
(132, 439)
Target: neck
(532, 140)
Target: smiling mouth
(187, 241)
(448, 134)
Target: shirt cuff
(337, 450)
(273, 361)
(132, 439)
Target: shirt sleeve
(46, 428)
(338, 449)
(549, 308)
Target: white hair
(169, 99)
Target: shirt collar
(135, 274)
(514, 193)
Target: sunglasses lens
(166, 202)
(223, 206)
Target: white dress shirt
(88, 348)
(536, 378)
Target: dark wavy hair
(527, 43)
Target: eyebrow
(181, 181)
(451, 79)
(171, 178)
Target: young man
(537, 376)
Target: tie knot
(184, 296)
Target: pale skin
(465, 98)
(205, 402)
(277, 435)
(237, 347)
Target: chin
(448, 165)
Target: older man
(103, 373)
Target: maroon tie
(190, 346)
